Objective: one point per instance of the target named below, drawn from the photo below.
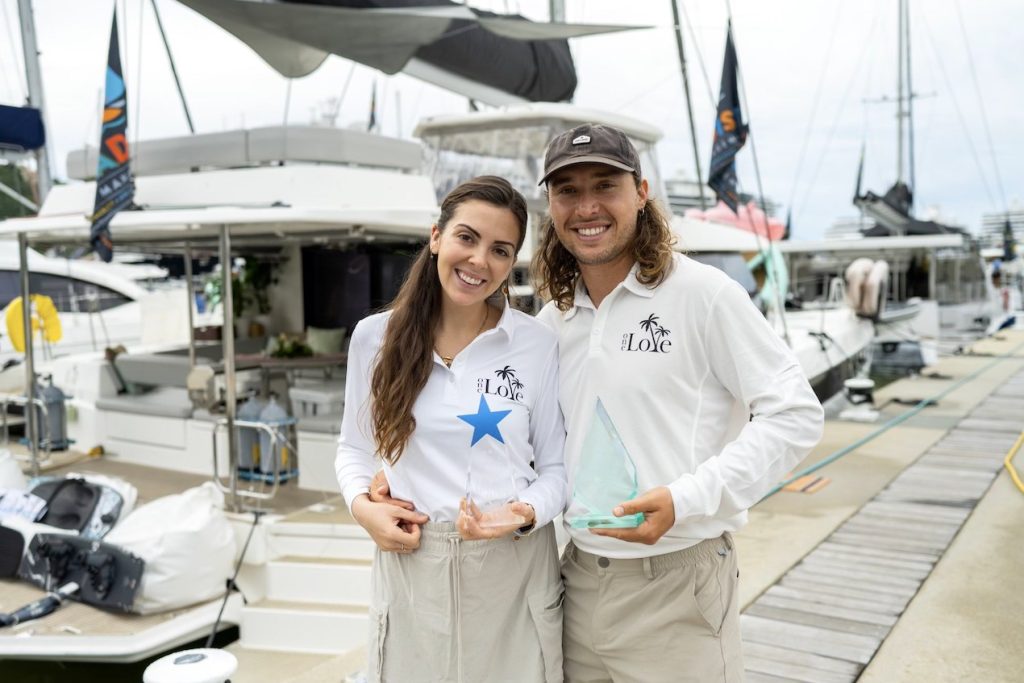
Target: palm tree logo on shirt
(508, 385)
(652, 339)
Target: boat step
(332, 581)
(310, 627)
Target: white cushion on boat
(162, 402)
(321, 424)
(152, 369)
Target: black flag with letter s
(730, 131)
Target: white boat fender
(874, 290)
(856, 273)
(201, 665)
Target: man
(710, 404)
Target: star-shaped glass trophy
(490, 478)
(605, 477)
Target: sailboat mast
(33, 75)
(899, 96)
(910, 103)
(689, 104)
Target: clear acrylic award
(490, 477)
(605, 477)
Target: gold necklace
(449, 359)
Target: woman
(456, 392)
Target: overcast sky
(808, 67)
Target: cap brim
(586, 159)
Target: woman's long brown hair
(556, 271)
(405, 358)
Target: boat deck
(127, 637)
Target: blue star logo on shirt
(485, 421)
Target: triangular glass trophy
(605, 477)
(490, 477)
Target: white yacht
(99, 306)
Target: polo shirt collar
(507, 321)
(631, 284)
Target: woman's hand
(392, 528)
(474, 525)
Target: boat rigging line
(984, 117)
(839, 112)
(174, 69)
(768, 262)
(814, 105)
(689, 104)
(700, 56)
(956, 106)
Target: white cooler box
(313, 401)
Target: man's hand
(380, 492)
(659, 516)
(471, 520)
(392, 528)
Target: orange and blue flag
(115, 186)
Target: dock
(906, 565)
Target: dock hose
(846, 450)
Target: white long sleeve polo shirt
(514, 367)
(706, 397)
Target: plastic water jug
(55, 432)
(248, 442)
(277, 459)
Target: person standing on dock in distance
(453, 597)
(709, 402)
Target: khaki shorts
(672, 617)
(468, 611)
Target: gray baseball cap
(591, 143)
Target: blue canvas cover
(21, 128)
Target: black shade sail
(495, 58)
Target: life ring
(44, 316)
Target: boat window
(75, 296)
(10, 287)
(732, 265)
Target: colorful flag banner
(115, 186)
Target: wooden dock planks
(823, 621)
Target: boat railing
(231, 489)
(43, 423)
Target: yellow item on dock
(1008, 462)
(44, 316)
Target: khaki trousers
(467, 611)
(667, 618)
